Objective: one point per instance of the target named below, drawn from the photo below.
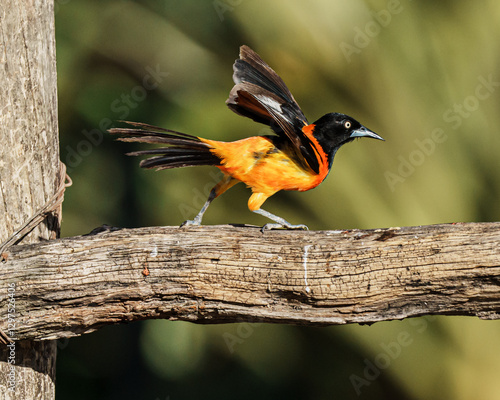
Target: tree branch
(220, 274)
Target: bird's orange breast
(262, 166)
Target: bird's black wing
(260, 94)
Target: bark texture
(220, 274)
(29, 168)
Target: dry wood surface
(220, 274)
(29, 170)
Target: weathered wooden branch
(222, 274)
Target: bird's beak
(364, 132)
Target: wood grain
(219, 274)
(29, 165)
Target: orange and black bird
(298, 157)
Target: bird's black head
(334, 129)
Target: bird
(297, 156)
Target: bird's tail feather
(183, 150)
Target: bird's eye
(347, 124)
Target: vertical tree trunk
(29, 169)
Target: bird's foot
(271, 226)
(191, 222)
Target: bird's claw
(190, 222)
(271, 226)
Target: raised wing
(260, 94)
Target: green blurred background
(424, 75)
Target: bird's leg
(216, 191)
(196, 221)
(280, 222)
